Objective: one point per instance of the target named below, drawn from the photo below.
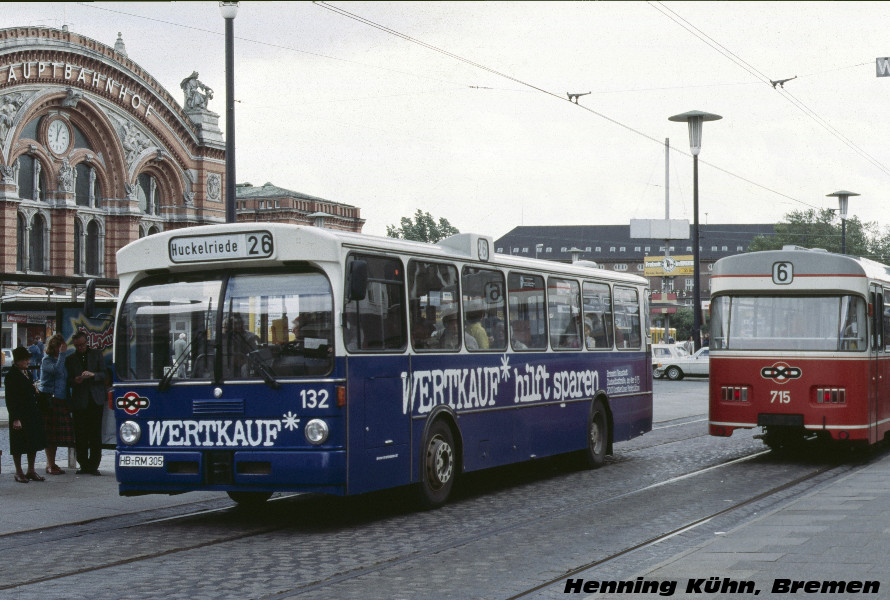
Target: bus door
(876, 367)
(377, 371)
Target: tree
(422, 229)
(822, 229)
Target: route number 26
(783, 397)
(783, 273)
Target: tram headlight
(316, 431)
(130, 432)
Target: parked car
(665, 353)
(696, 364)
(7, 361)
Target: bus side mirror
(89, 298)
(357, 280)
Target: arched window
(149, 194)
(92, 248)
(153, 230)
(37, 256)
(82, 185)
(78, 247)
(31, 179)
(21, 236)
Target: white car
(679, 367)
(665, 352)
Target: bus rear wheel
(439, 461)
(597, 436)
(249, 499)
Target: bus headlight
(316, 431)
(130, 432)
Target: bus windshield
(242, 326)
(798, 323)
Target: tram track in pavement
(452, 542)
(216, 523)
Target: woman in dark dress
(25, 422)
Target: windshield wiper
(164, 384)
(254, 357)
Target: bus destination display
(221, 246)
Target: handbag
(44, 400)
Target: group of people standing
(62, 408)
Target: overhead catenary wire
(559, 96)
(763, 78)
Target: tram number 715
(780, 397)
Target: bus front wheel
(439, 462)
(248, 499)
(597, 436)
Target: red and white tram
(800, 346)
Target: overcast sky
(335, 107)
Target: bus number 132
(314, 398)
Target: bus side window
(377, 321)
(433, 306)
(627, 318)
(485, 308)
(597, 300)
(528, 312)
(564, 302)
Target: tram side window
(434, 306)
(627, 318)
(377, 322)
(485, 309)
(597, 300)
(528, 312)
(564, 302)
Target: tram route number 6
(783, 273)
(781, 397)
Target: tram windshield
(798, 323)
(244, 326)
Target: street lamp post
(229, 10)
(695, 119)
(843, 198)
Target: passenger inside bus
(474, 326)
(237, 343)
(422, 334)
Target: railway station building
(94, 154)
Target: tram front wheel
(249, 499)
(439, 461)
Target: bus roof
(299, 242)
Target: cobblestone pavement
(506, 531)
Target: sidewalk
(839, 533)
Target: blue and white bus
(255, 358)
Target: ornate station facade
(94, 154)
